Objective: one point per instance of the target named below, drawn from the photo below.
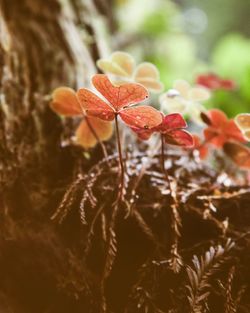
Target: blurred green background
(187, 37)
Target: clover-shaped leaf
(214, 82)
(220, 129)
(84, 133)
(172, 128)
(64, 102)
(122, 66)
(120, 100)
(185, 99)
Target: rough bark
(43, 45)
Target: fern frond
(201, 272)
(230, 306)
(111, 249)
(67, 201)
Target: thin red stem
(164, 170)
(121, 186)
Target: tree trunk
(43, 45)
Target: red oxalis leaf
(179, 137)
(143, 116)
(172, 128)
(94, 106)
(221, 129)
(217, 117)
(64, 102)
(172, 121)
(119, 96)
(214, 82)
(119, 101)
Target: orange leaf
(143, 134)
(144, 116)
(64, 102)
(174, 121)
(238, 153)
(233, 131)
(119, 96)
(217, 117)
(85, 136)
(94, 106)
(213, 137)
(221, 129)
(179, 137)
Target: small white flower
(185, 99)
